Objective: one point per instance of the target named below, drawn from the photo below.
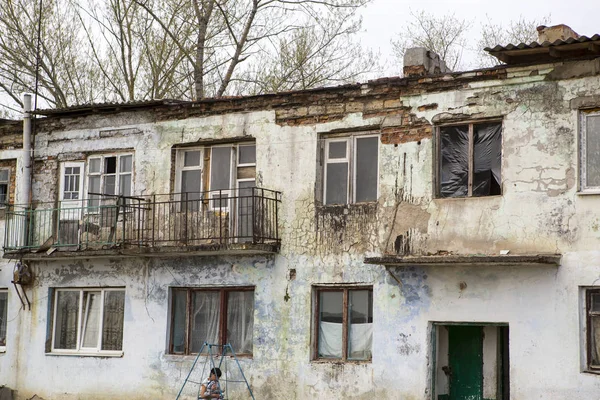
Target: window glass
(191, 158)
(94, 165)
(3, 175)
(337, 149)
(455, 161)
(66, 321)
(190, 183)
(204, 319)
(245, 210)
(220, 169)
(240, 320)
(125, 185)
(109, 184)
(366, 168)
(360, 320)
(126, 164)
(179, 314)
(247, 154)
(330, 324)
(91, 319)
(337, 183)
(3, 316)
(592, 144)
(112, 325)
(3, 194)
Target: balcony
(222, 222)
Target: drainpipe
(26, 179)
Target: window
(3, 317)
(109, 175)
(212, 315)
(71, 187)
(590, 151)
(343, 323)
(351, 169)
(230, 167)
(469, 160)
(88, 321)
(4, 185)
(593, 329)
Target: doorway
(471, 361)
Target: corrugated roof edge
(533, 45)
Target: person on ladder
(211, 388)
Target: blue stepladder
(226, 353)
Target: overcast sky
(382, 19)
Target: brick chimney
(418, 61)
(553, 33)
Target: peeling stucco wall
(539, 211)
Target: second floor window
(590, 151)
(4, 186)
(469, 160)
(350, 171)
(109, 175)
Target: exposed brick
(374, 105)
(316, 110)
(394, 103)
(424, 107)
(398, 135)
(354, 107)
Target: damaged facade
(350, 242)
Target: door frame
(433, 327)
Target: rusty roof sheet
(533, 45)
(108, 105)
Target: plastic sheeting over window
(487, 152)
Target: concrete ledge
(158, 251)
(474, 259)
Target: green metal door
(465, 357)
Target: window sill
(2, 349)
(180, 357)
(591, 371)
(589, 192)
(340, 362)
(495, 196)
(103, 354)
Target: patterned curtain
(112, 327)
(3, 316)
(67, 310)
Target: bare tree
(445, 35)
(493, 34)
(66, 75)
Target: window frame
(223, 299)
(582, 153)
(79, 349)
(588, 324)
(4, 203)
(3, 346)
(351, 154)
(437, 149)
(117, 174)
(316, 290)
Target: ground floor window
(471, 361)
(3, 317)
(88, 320)
(212, 315)
(343, 323)
(593, 329)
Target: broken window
(109, 175)
(470, 160)
(216, 316)
(593, 329)
(343, 323)
(350, 172)
(3, 317)
(88, 320)
(4, 185)
(590, 151)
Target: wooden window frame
(583, 187)
(351, 150)
(223, 299)
(588, 320)
(437, 148)
(79, 350)
(316, 314)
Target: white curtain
(240, 321)
(91, 319)
(205, 319)
(595, 353)
(359, 344)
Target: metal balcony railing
(219, 217)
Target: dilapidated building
(434, 236)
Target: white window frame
(238, 155)
(7, 183)
(118, 174)
(583, 187)
(3, 347)
(351, 149)
(179, 168)
(63, 167)
(79, 350)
